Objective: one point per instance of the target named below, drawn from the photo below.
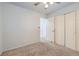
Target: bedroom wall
(0, 28)
(59, 29)
(20, 26)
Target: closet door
(70, 30)
(77, 30)
(59, 30)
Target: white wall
(59, 29)
(0, 28)
(20, 27)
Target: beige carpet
(41, 49)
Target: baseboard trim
(17, 47)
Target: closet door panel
(59, 30)
(70, 30)
(77, 30)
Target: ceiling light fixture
(51, 2)
(47, 4)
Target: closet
(67, 30)
(77, 30)
(70, 30)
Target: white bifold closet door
(59, 30)
(70, 30)
(77, 30)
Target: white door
(50, 29)
(47, 30)
(59, 30)
(70, 30)
(43, 29)
(77, 30)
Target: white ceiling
(40, 8)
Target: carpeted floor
(41, 49)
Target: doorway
(46, 30)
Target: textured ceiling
(40, 8)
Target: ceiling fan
(46, 3)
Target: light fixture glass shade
(51, 2)
(46, 5)
(45, 2)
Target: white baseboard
(19, 46)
